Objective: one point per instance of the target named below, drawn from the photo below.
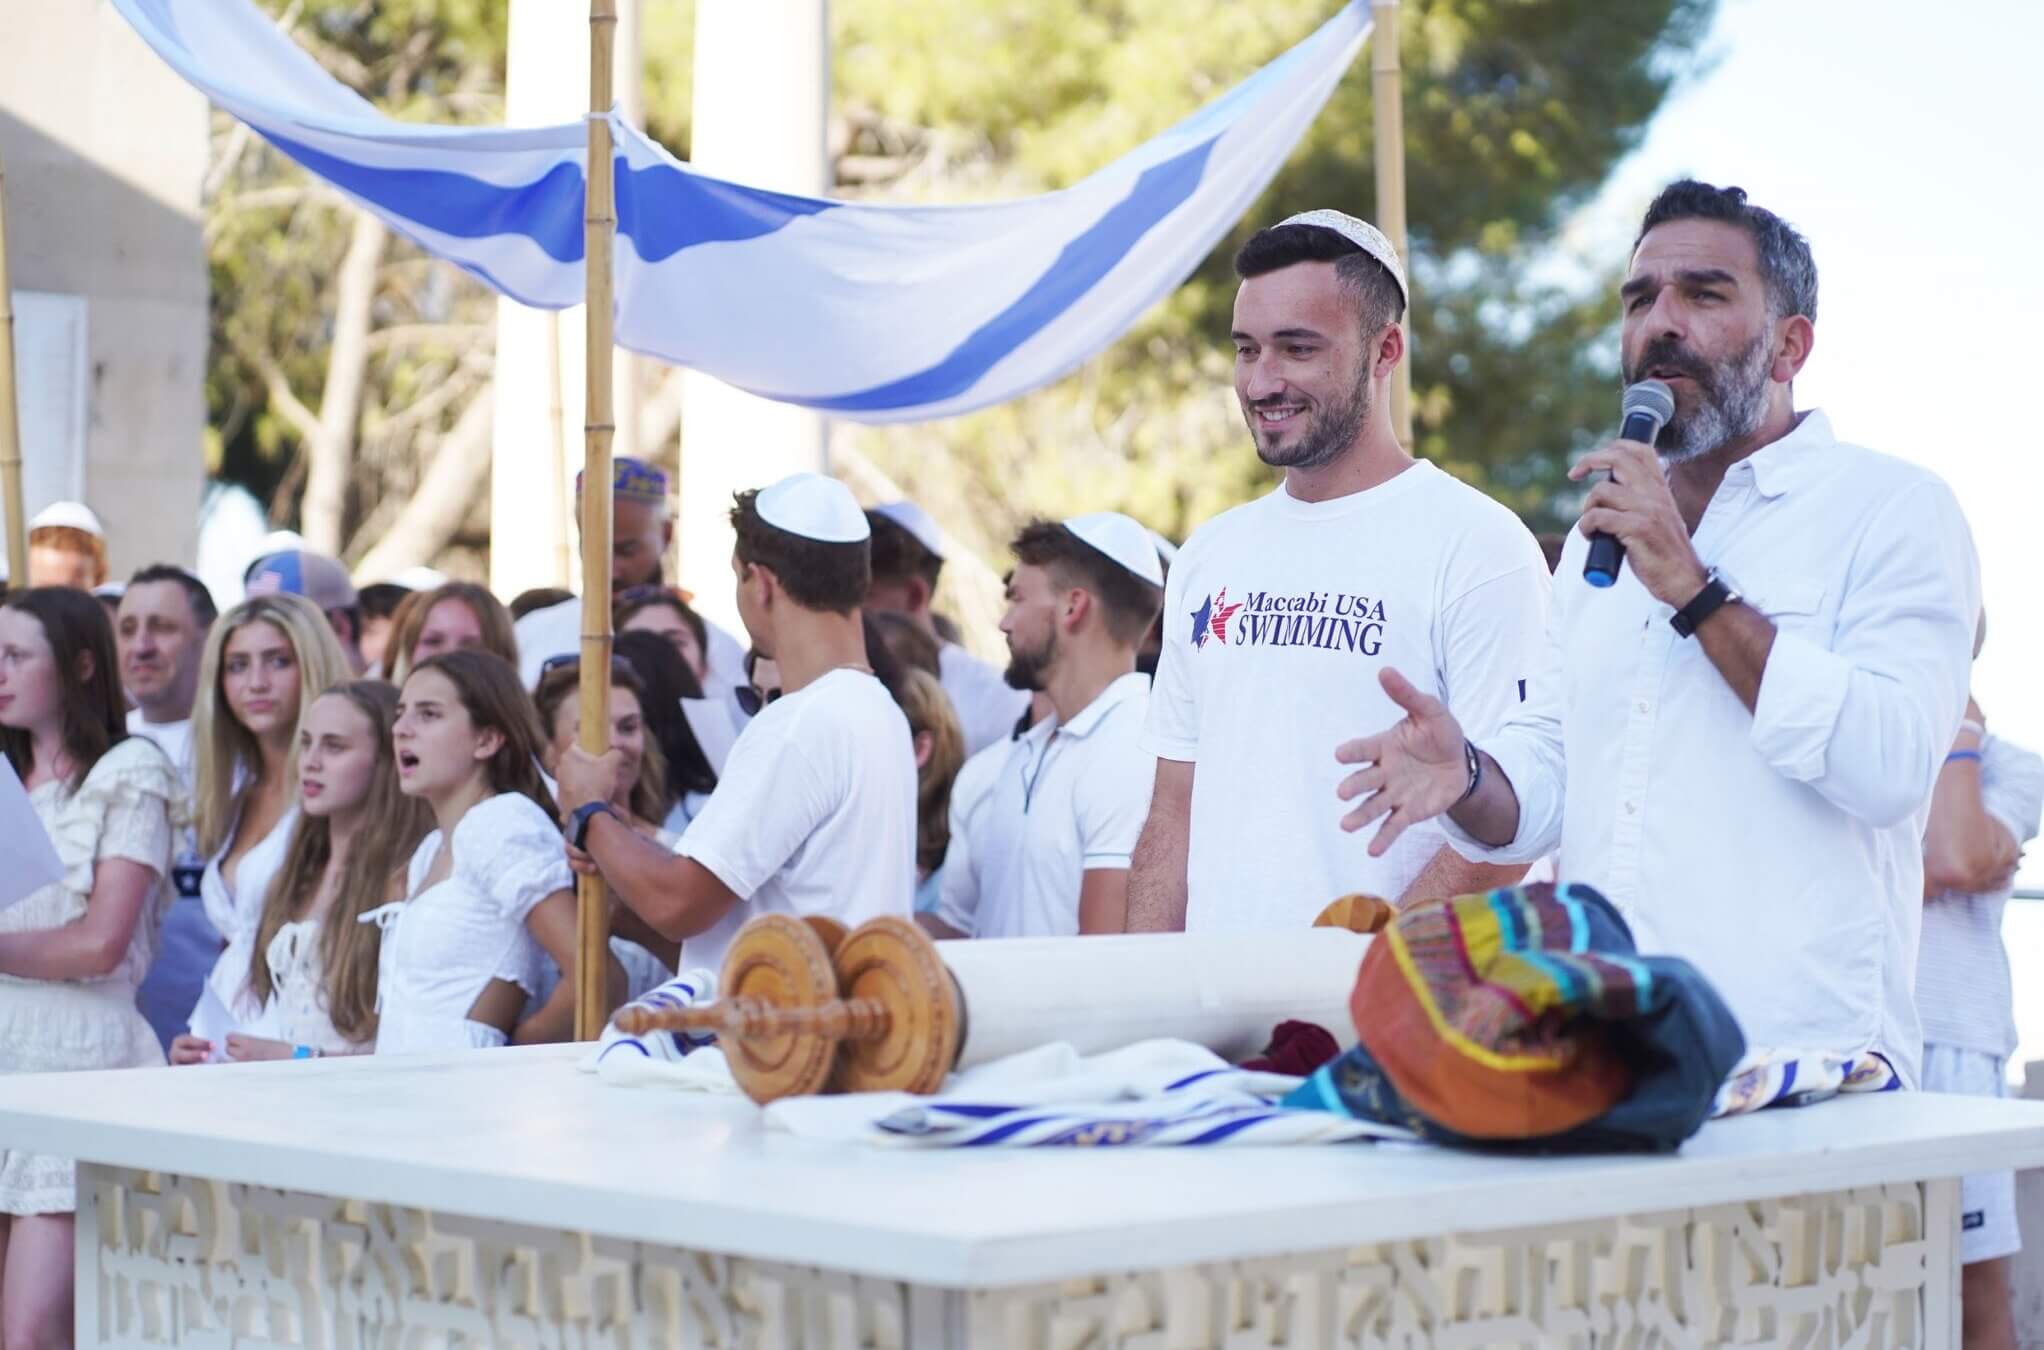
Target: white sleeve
(771, 798)
(2012, 788)
(1111, 803)
(508, 849)
(1171, 730)
(1522, 709)
(958, 883)
(1865, 717)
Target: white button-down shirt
(1069, 799)
(1779, 850)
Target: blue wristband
(304, 1052)
(1973, 755)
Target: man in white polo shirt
(908, 557)
(1737, 742)
(815, 812)
(1050, 844)
(1281, 612)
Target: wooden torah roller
(805, 1007)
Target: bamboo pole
(1388, 100)
(599, 227)
(10, 419)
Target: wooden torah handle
(1357, 914)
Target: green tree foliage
(1516, 111)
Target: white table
(503, 1198)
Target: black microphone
(1646, 408)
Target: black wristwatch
(1714, 596)
(578, 821)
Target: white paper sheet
(31, 859)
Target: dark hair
(908, 642)
(380, 599)
(666, 681)
(899, 555)
(1787, 270)
(635, 598)
(1368, 282)
(830, 578)
(889, 669)
(95, 716)
(651, 797)
(204, 611)
(539, 597)
(1128, 604)
(489, 689)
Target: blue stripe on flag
(665, 210)
(1159, 190)
(548, 212)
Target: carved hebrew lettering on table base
(171, 1260)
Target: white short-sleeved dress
(123, 809)
(443, 946)
(237, 912)
(296, 1011)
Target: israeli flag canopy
(875, 313)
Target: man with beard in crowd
(1736, 742)
(1050, 844)
(1281, 612)
(160, 634)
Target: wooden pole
(1388, 99)
(10, 419)
(599, 227)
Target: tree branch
(460, 469)
(340, 403)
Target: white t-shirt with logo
(815, 812)
(175, 740)
(1277, 619)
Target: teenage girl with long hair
(313, 964)
(73, 953)
(489, 890)
(266, 660)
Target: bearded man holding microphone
(1736, 738)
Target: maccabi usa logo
(1323, 619)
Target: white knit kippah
(1363, 235)
(815, 507)
(917, 522)
(1121, 539)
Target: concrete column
(762, 97)
(532, 483)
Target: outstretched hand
(1412, 771)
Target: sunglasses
(750, 700)
(564, 659)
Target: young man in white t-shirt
(815, 812)
(1050, 846)
(160, 634)
(1280, 613)
(908, 558)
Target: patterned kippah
(634, 480)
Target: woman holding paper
(266, 660)
(313, 965)
(73, 952)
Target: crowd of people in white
(334, 821)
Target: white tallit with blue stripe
(875, 313)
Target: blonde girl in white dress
(489, 891)
(266, 660)
(313, 964)
(73, 953)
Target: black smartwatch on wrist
(578, 821)
(1714, 596)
